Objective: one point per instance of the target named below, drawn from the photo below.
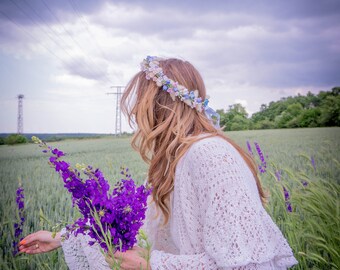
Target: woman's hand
(130, 260)
(39, 242)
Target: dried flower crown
(153, 71)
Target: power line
(37, 24)
(31, 36)
(35, 39)
(53, 40)
(74, 40)
(74, 6)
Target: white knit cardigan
(217, 219)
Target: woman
(207, 202)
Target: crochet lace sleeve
(80, 255)
(224, 225)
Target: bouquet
(110, 218)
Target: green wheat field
(305, 162)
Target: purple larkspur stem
(289, 207)
(18, 226)
(263, 165)
(249, 148)
(278, 175)
(313, 162)
(286, 193)
(287, 197)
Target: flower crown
(153, 71)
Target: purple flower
(57, 153)
(289, 207)
(313, 163)
(18, 226)
(249, 148)
(287, 198)
(118, 214)
(263, 165)
(278, 175)
(286, 193)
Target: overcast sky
(65, 55)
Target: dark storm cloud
(27, 12)
(287, 9)
(270, 43)
(292, 57)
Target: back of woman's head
(153, 109)
(156, 114)
(166, 128)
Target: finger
(109, 260)
(28, 239)
(118, 255)
(32, 249)
(31, 245)
(35, 251)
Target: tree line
(320, 110)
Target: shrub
(15, 139)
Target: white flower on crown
(173, 95)
(183, 90)
(159, 82)
(188, 101)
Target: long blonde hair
(167, 128)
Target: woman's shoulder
(208, 151)
(207, 145)
(214, 153)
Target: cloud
(80, 66)
(33, 12)
(239, 44)
(246, 52)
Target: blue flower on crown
(192, 95)
(205, 103)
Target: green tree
(235, 118)
(310, 117)
(264, 124)
(310, 110)
(15, 139)
(239, 123)
(330, 111)
(294, 109)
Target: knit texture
(80, 255)
(217, 219)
